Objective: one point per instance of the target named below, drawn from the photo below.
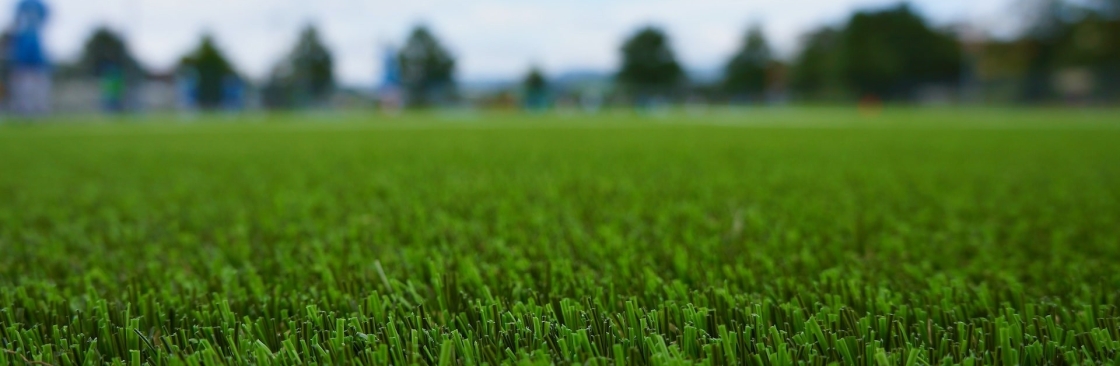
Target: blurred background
(160, 56)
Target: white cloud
(493, 38)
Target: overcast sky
(493, 39)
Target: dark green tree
(893, 52)
(427, 69)
(105, 50)
(815, 71)
(305, 76)
(648, 64)
(745, 73)
(1109, 65)
(535, 81)
(536, 89)
(211, 67)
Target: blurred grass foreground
(786, 237)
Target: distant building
(158, 93)
(74, 95)
(150, 93)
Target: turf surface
(761, 237)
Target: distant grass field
(778, 237)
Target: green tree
(893, 52)
(305, 76)
(535, 81)
(105, 50)
(815, 71)
(536, 89)
(746, 73)
(427, 68)
(212, 68)
(648, 63)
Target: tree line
(894, 54)
(890, 54)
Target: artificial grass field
(783, 237)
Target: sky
(492, 39)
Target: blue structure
(27, 47)
(30, 79)
(233, 93)
(390, 92)
(186, 86)
(391, 78)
